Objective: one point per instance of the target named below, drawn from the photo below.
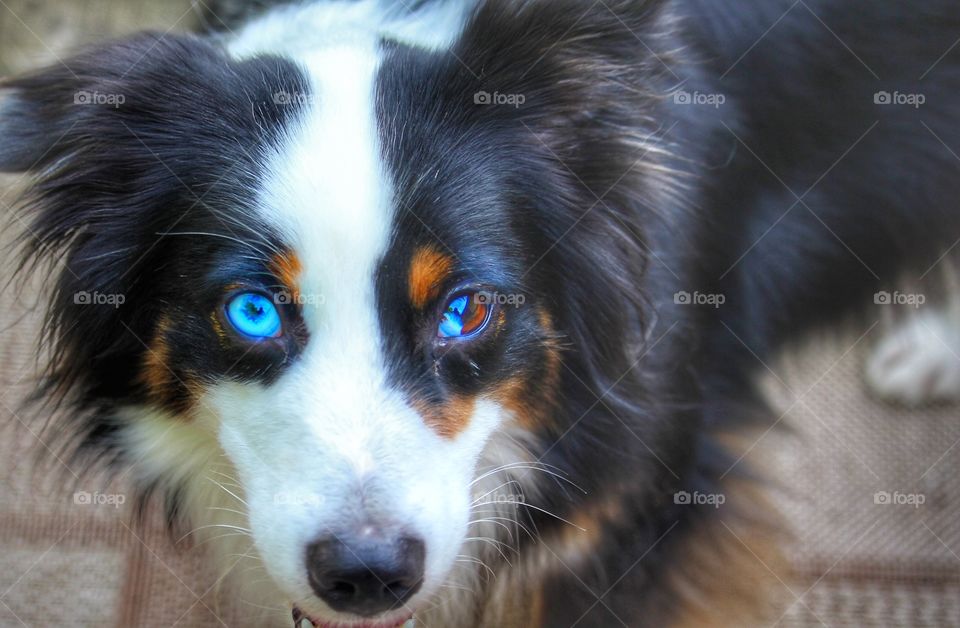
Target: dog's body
(653, 198)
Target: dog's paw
(918, 361)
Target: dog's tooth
(297, 618)
(410, 623)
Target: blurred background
(856, 557)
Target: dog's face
(344, 274)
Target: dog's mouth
(302, 620)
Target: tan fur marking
(730, 570)
(448, 419)
(155, 374)
(532, 402)
(162, 384)
(288, 268)
(517, 603)
(428, 269)
(721, 576)
(724, 576)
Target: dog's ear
(565, 60)
(578, 78)
(124, 142)
(49, 112)
(151, 91)
(19, 150)
(578, 89)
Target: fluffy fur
(675, 193)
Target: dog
(450, 313)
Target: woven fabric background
(855, 562)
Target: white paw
(918, 362)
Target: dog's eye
(465, 315)
(254, 315)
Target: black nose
(365, 577)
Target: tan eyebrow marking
(288, 268)
(450, 418)
(164, 387)
(428, 269)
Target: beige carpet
(857, 563)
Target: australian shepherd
(450, 313)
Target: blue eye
(254, 315)
(465, 315)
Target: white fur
(918, 361)
(303, 28)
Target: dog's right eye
(466, 314)
(254, 315)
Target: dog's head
(331, 286)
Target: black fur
(514, 191)
(599, 198)
(145, 193)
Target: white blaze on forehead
(305, 26)
(328, 193)
(331, 427)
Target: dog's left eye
(254, 315)
(465, 315)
